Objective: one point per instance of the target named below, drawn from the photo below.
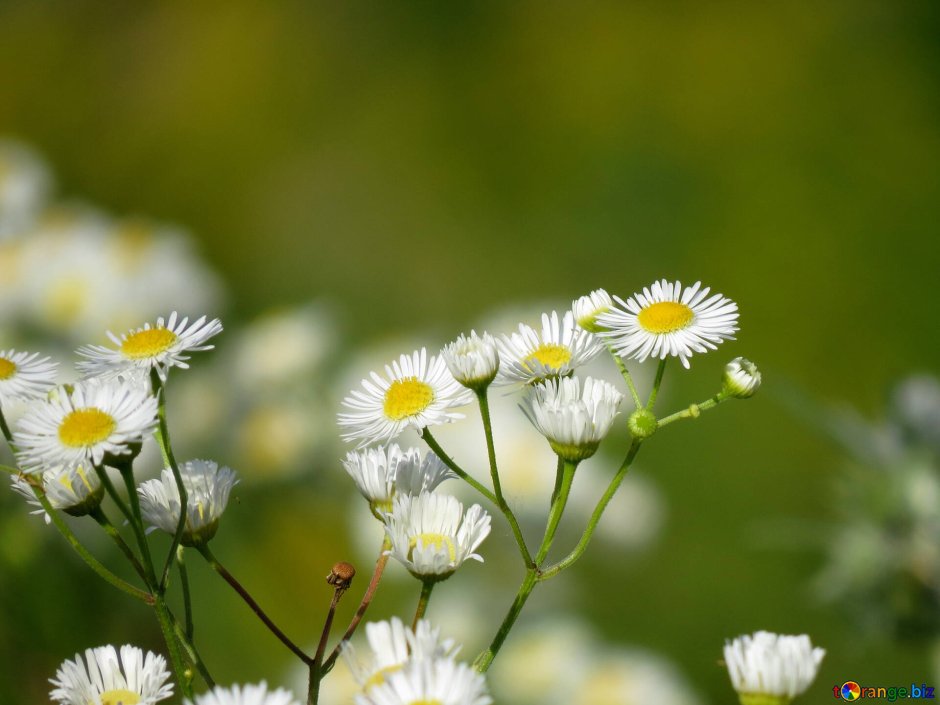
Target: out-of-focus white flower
(207, 491)
(82, 425)
(628, 677)
(244, 695)
(25, 375)
(416, 392)
(473, 361)
(666, 319)
(391, 645)
(71, 489)
(25, 183)
(562, 346)
(586, 309)
(157, 347)
(105, 678)
(432, 537)
(382, 472)
(574, 418)
(437, 681)
(768, 664)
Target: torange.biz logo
(850, 690)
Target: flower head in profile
(244, 695)
(473, 360)
(207, 490)
(392, 644)
(384, 471)
(157, 347)
(574, 418)
(109, 677)
(741, 378)
(25, 375)
(771, 669)
(440, 681)
(666, 320)
(432, 536)
(84, 424)
(587, 308)
(529, 356)
(73, 490)
(416, 391)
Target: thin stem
(449, 462)
(92, 562)
(595, 516)
(494, 473)
(694, 410)
(316, 670)
(191, 652)
(656, 384)
(380, 564)
(166, 448)
(99, 516)
(6, 431)
(426, 587)
(557, 509)
(137, 522)
(255, 607)
(483, 661)
(183, 677)
(187, 599)
(621, 365)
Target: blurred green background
(417, 164)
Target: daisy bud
(341, 575)
(741, 378)
(382, 472)
(642, 424)
(473, 361)
(587, 308)
(771, 669)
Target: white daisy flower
(438, 681)
(432, 537)
(25, 375)
(73, 490)
(771, 665)
(244, 695)
(473, 361)
(381, 472)
(741, 378)
(573, 419)
(530, 357)
(416, 392)
(207, 490)
(105, 678)
(586, 309)
(159, 347)
(666, 319)
(391, 645)
(82, 425)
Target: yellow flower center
(407, 397)
(147, 343)
(119, 697)
(7, 368)
(378, 677)
(438, 541)
(549, 355)
(85, 427)
(665, 317)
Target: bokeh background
(352, 180)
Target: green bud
(642, 424)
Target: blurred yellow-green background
(412, 168)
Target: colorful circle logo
(851, 691)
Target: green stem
(625, 373)
(187, 598)
(99, 516)
(377, 573)
(191, 652)
(6, 431)
(595, 516)
(426, 587)
(92, 562)
(656, 384)
(255, 607)
(166, 448)
(559, 501)
(449, 462)
(137, 522)
(183, 677)
(694, 410)
(494, 473)
(483, 661)
(316, 668)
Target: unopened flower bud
(473, 360)
(642, 424)
(741, 378)
(341, 575)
